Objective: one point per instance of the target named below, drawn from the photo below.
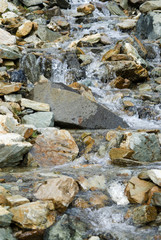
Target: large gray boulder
(74, 110)
(149, 26)
(29, 3)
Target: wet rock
(117, 153)
(16, 200)
(127, 24)
(58, 24)
(144, 214)
(34, 215)
(54, 147)
(150, 6)
(3, 6)
(24, 29)
(12, 149)
(155, 176)
(9, 53)
(37, 106)
(6, 233)
(111, 52)
(46, 34)
(40, 119)
(90, 39)
(114, 9)
(156, 199)
(9, 88)
(18, 76)
(61, 3)
(98, 200)
(137, 190)
(6, 38)
(5, 217)
(92, 183)
(83, 114)
(149, 26)
(61, 190)
(120, 83)
(29, 3)
(86, 8)
(51, 12)
(156, 72)
(67, 228)
(144, 87)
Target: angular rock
(137, 190)
(40, 119)
(92, 183)
(61, 190)
(91, 39)
(120, 83)
(9, 88)
(16, 200)
(29, 3)
(24, 29)
(3, 196)
(34, 215)
(155, 176)
(3, 6)
(12, 149)
(115, 9)
(117, 153)
(83, 113)
(86, 8)
(46, 34)
(150, 6)
(54, 147)
(111, 52)
(127, 24)
(5, 217)
(6, 38)
(9, 53)
(37, 106)
(156, 199)
(144, 214)
(6, 233)
(12, 97)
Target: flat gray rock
(40, 119)
(29, 3)
(74, 110)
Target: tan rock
(111, 135)
(116, 153)
(98, 200)
(37, 106)
(61, 190)
(128, 103)
(155, 176)
(137, 190)
(81, 203)
(3, 6)
(55, 147)
(120, 83)
(6, 38)
(120, 57)
(111, 52)
(3, 195)
(92, 183)
(9, 88)
(24, 29)
(16, 200)
(127, 24)
(34, 215)
(144, 214)
(86, 8)
(92, 39)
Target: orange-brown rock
(137, 190)
(144, 214)
(61, 190)
(86, 8)
(116, 153)
(120, 83)
(81, 203)
(6, 88)
(24, 29)
(98, 200)
(111, 52)
(120, 57)
(3, 195)
(54, 147)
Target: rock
(111, 52)
(6, 38)
(40, 119)
(9, 53)
(61, 190)
(86, 8)
(54, 147)
(6, 233)
(5, 217)
(98, 200)
(114, 9)
(9, 15)
(12, 149)
(127, 24)
(92, 183)
(149, 6)
(67, 228)
(58, 24)
(61, 3)
(117, 153)
(9, 88)
(120, 57)
(46, 34)
(34, 215)
(29, 3)
(144, 87)
(37, 106)
(144, 214)
(25, 131)
(155, 176)
(137, 190)
(24, 29)
(3, 6)
(54, 11)
(156, 199)
(13, 98)
(83, 114)
(30, 234)
(120, 83)
(91, 39)
(145, 146)
(16, 200)
(94, 238)
(149, 26)
(3, 196)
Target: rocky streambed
(80, 120)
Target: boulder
(82, 114)
(144, 214)
(39, 119)
(9, 53)
(37, 106)
(6, 88)
(61, 190)
(149, 26)
(34, 215)
(149, 6)
(29, 3)
(12, 149)
(155, 176)
(3, 5)
(137, 190)
(6, 38)
(5, 217)
(53, 147)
